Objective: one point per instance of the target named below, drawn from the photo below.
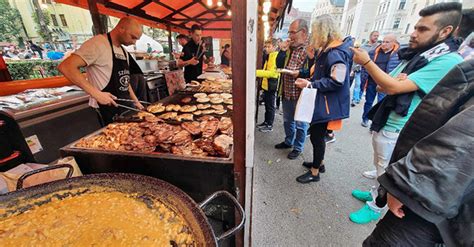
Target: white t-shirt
(97, 54)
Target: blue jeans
(269, 98)
(295, 131)
(370, 94)
(357, 93)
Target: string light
(229, 13)
(267, 5)
(219, 3)
(264, 17)
(209, 3)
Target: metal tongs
(131, 108)
(199, 52)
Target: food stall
(46, 118)
(199, 153)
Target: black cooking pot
(147, 188)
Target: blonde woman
(331, 78)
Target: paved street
(286, 213)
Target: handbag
(305, 105)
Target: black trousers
(411, 230)
(317, 133)
(269, 99)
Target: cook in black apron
(118, 86)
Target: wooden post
(244, 40)
(96, 20)
(239, 71)
(170, 42)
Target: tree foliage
(43, 32)
(10, 22)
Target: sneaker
(370, 174)
(365, 123)
(360, 195)
(262, 125)
(307, 178)
(330, 138)
(266, 129)
(283, 145)
(364, 215)
(293, 154)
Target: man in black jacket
(430, 181)
(431, 54)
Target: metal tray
(211, 159)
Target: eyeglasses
(294, 32)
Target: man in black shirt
(193, 55)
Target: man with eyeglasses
(295, 132)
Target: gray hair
(302, 25)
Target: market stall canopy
(179, 16)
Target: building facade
(335, 8)
(68, 25)
(355, 20)
(360, 17)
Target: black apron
(118, 86)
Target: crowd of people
(421, 125)
(31, 50)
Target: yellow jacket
(269, 70)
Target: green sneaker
(364, 196)
(364, 215)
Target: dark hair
(182, 36)
(226, 46)
(466, 27)
(450, 14)
(195, 27)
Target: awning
(179, 15)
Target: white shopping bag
(305, 105)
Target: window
(396, 24)
(402, 4)
(413, 10)
(55, 21)
(408, 28)
(63, 20)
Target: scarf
(400, 103)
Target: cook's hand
(395, 206)
(302, 83)
(360, 55)
(194, 61)
(139, 105)
(402, 76)
(105, 98)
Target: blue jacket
(332, 99)
(391, 64)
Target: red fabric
(4, 75)
(179, 18)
